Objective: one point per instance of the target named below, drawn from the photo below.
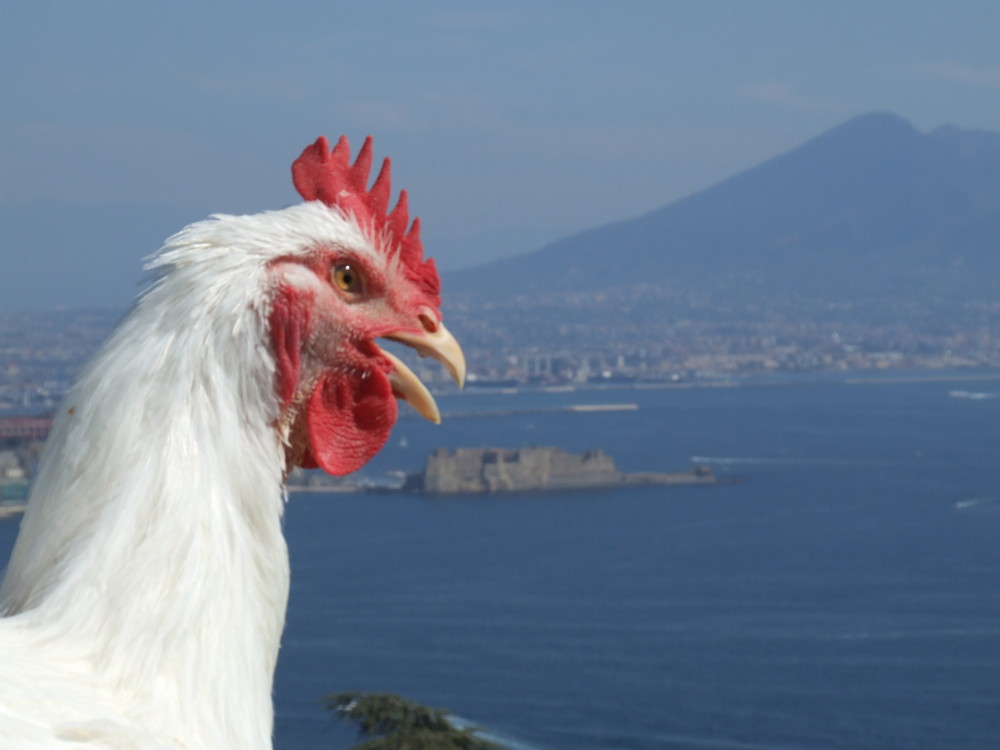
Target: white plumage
(145, 598)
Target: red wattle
(350, 417)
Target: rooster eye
(347, 278)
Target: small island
(482, 470)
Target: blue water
(844, 594)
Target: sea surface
(844, 593)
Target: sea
(842, 591)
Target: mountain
(870, 209)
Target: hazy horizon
(510, 124)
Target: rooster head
(344, 289)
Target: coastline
(721, 380)
(9, 510)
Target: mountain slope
(872, 207)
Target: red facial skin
(332, 382)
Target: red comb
(320, 174)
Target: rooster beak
(437, 342)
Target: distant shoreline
(822, 377)
(8, 510)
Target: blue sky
(510, 123)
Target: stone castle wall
(505, 470)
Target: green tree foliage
(391, 722)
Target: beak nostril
(428, 321)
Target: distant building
(25, 428)
(471, 470)
(498, 469)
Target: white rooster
(145, 597)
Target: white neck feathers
(152, 546)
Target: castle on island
(466, 470)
